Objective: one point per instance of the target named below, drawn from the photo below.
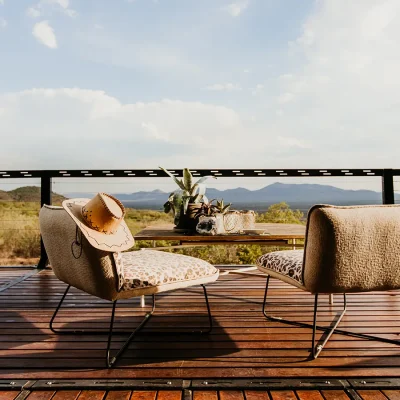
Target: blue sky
(185, 83)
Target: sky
(95, 84)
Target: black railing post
(45, 198)
(387, 187)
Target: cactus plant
(190, 192)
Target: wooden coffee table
(275, 235)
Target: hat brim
(121, 240)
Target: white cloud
(45, 7)
(44, 34)
(1, 2)
(156, 132)
(228, 87)
(257, 90)
(85, 127)
(3, 23)
(120, 50)
(345, 84)
(33, 12)
(286, 76)
(293, 142)
(237, 8)
(285, 98)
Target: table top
(275, 232)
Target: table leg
(142, 298)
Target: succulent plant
(221, 207)
(190, 192)
(211, 209)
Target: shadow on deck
(242, 345)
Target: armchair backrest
(352, 249)
(90, 270)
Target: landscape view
(276, 203)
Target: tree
(281, 213)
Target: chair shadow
(158, 343)
(166, 338)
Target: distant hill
(28, 193)
(296, 195)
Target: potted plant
(187, 201)
(209, 209)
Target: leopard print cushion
(287, 262)
(147, 268)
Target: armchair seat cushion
(159, 271)
(288, 263)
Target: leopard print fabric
(287, 262)
(147, 268)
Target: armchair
(347, 249)
(115, 276)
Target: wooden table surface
(276, 232)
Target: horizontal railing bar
(157, 173)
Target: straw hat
(101, 220)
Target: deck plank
(392, 394)
(11, 395)
(118, 395)
(283, 395)
(335, 395)
(169, 395)
(40, 395)
(309, 395)
(205, 395)
(231, 395)
(371, 395)
(66, 395)
(143, 395)
(256, 395)
(92, 395)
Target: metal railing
(46, 177)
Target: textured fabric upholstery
(288, 262)
(352, 249)
(93, 272)
(104, 274)
(347, 249)
(147, 268)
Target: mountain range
(296, 195)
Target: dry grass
(20, 236)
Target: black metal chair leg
(208, 311)
(56, 311)
(146, 318)
(315, 349)
(195, 332)
(111, 361)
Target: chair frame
(316, 349)
(110, 361)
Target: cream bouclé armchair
(347, 249)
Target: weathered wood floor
(242, 345)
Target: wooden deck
(242, 345)
(202, 395)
